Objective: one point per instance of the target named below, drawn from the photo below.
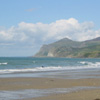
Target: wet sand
(44, 83)
(13, 84)
(80, 95)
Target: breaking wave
(5, 63)
(95, 64)
(84, 65)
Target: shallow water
(69, 74)
(33, 93)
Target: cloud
(31, 10)
(30, 34)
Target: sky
(26, 25)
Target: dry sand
(47, 83)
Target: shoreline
(57, 74)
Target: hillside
(72, 49)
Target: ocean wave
(4, 63)
(95, 64)
(36, 69)
(52, 68)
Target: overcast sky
(25, 25)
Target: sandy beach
(15, 84)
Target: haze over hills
(71, 49)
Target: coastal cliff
(71, 49)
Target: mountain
(71, 49)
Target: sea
(50, 67)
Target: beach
(58, 79)
(17, 84)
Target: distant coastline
(66, 48)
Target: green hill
(73, 49)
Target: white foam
(4, 63)
(37, 69)
(89, 65)
(83, 62)
(84, 65)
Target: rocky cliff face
(68, 48)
